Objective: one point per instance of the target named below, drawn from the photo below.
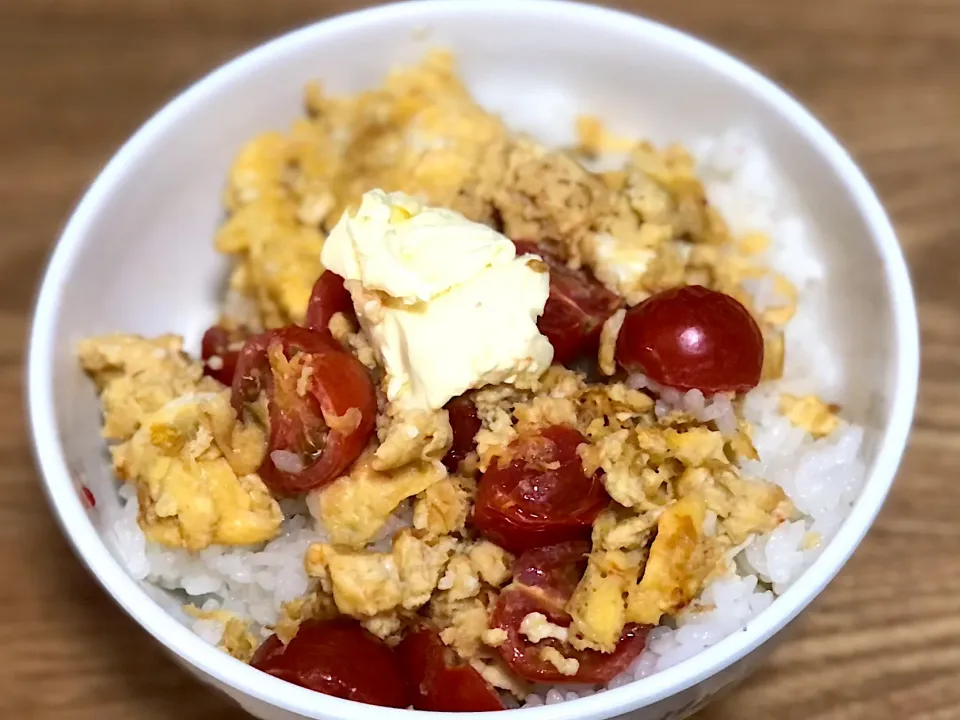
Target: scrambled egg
(474, 565)
(606, 355)
(366, 584)
(595, 140)
(696, 446)
(599, 603)
(491, 563)
(537, 628)
(463, 623)
(354, 508)
(564, 665)
(427, 286)
(278, 252)
(773, 355)
(411, 436)
(315, 605)
(633, 476)
(460, 580)
(677, 566)
(442, 508)
(237, 640)
(743, 507)
(810, 413)
(193, 464)
(195, 467)
(136, 377)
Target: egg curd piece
(446, 303)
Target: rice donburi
(482, 423)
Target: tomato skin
(553, 572)
(339, 658)
(692, 337)
(576, 308)
(465, 424)
(329, 296)
(523, 657)
(253, 373)
(541, 496)
(337, 384)
(543, 581)
(216, 343)
(436, 684)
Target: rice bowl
(733, 169)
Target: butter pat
(410, 252)
(445, 301)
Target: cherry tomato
(466, 425)
(576, 309)
(88, 496)
(524, 657)
(540, 495)
(321, 419)
(329, 296)
(543, 581)
(216, 343)
(692, 337)
(441, 682)
(551, 573)
(339, 658)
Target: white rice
(250, 582)
(822, 477)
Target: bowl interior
(139, 256)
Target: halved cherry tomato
(543, 581)
(465, 425)
(441, 682)
(329, 296)
(692, 337)
(88, 496)
(540, 495)
(524, 657)
(339, 658)
(576, 309)
(217, 343)
(551, 573)
(321, 419)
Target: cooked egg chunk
(445, 301)
(676, 567)
(354, 508)
(137, 376)
(365, 584)
(194, 467)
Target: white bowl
(137, 256)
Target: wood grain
(78, 76)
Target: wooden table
(78, 76)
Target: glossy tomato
(219, 353)
(692, 337)
(465, 424)
(339, 658)
(576, 309)
(543, 581)
(552, 572)
(329, 296)
(322, 413)
(440, 681)
(539, 494)
(524, 657)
